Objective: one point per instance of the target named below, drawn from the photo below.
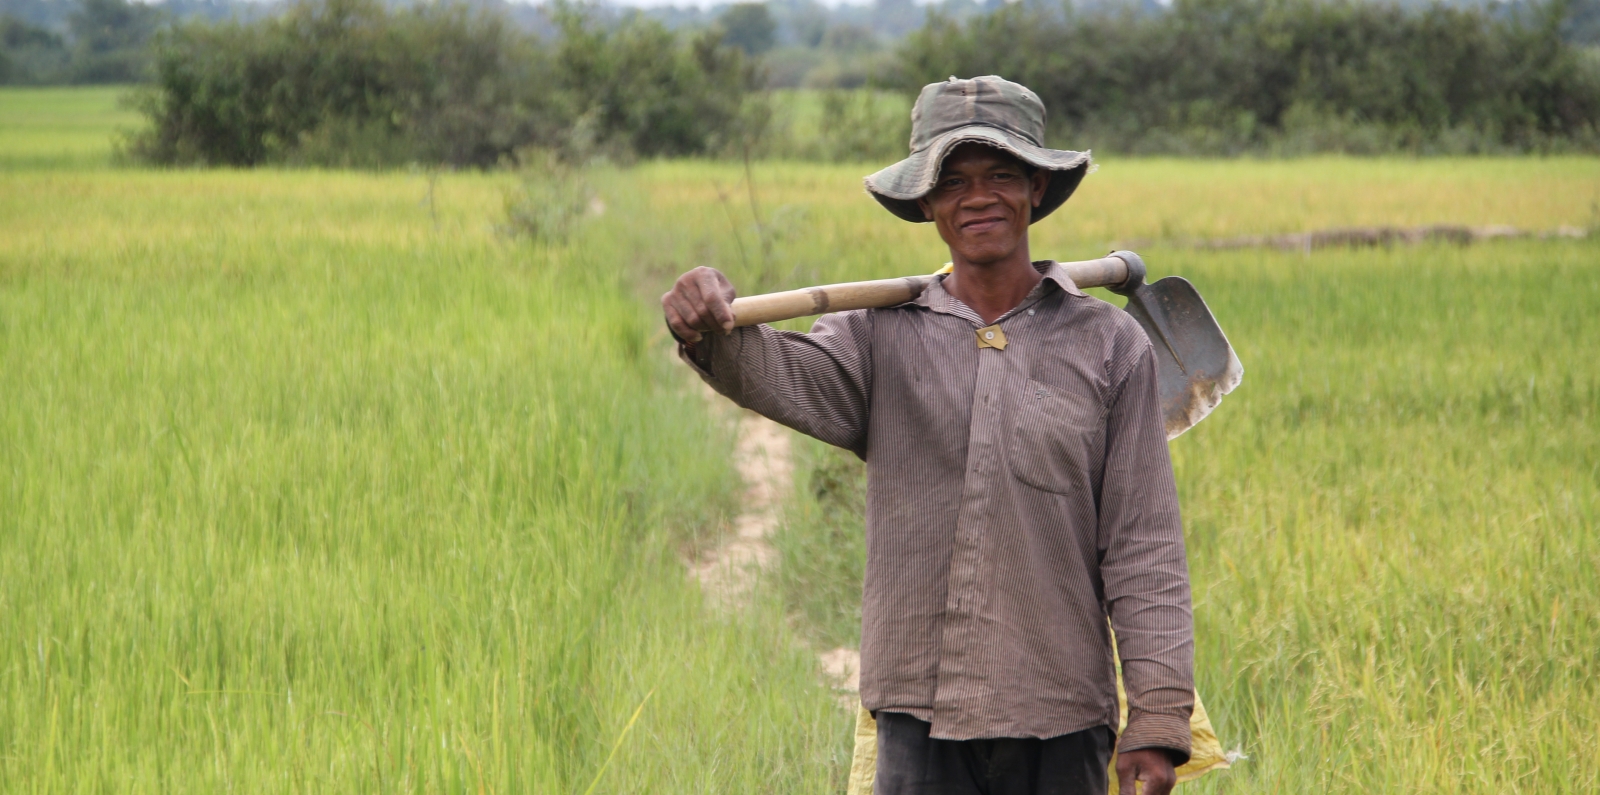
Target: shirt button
(988, 335)
(1030, 311)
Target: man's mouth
(983, 224)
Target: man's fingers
(714, 293)
(688, 317)
(700, 297)
(700, 301)
(1157, 775)
(1125, 779)
(675, 321)
(1156, 781)
(692, 314)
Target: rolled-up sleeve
(817, 383)
(1144, 569)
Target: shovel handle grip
(1110, 271)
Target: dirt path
(728, 573)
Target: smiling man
(1019, 491)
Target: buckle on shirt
(992, 337)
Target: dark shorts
(912, 763)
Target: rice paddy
(319, 481)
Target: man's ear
(1041, 180)
(927, 209)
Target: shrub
(344, 82)
(110, 39)
(1221, 76)
(553, 196)
(352, 83)
(643, 89)
(749, 26)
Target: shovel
(1195, 364)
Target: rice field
(319, 481)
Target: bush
(644, 90)
(342, 83)
(110, 40)
(748, 26)
(834, 125)
(553, 197)
(1225, 76)
(352, 83)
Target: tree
(29, 54)
(749, 26)
(109, 38)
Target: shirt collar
(936, 298)
(1052, 271)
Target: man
(1019, 491)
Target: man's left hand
(1150, 765)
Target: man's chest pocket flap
(1054, 438)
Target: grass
(1393, 527)
(313, 484)
(61, 127)
(308, 488)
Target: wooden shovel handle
(790, 304)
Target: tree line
(1230, 76)
(363, 83)
(354, 83)
(105, 41)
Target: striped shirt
(1017, 496)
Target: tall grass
(1393, 525)
(60, 127)
(312, 481)
(307, 488)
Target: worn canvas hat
(988, 110)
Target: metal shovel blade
(1195, 364)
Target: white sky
(709, 3)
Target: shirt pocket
(1053, 437)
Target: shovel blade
(1195, 365)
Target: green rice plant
(61, 127)
(307, 488)
(314, 481)
(1393, 524)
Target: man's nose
(978, 197)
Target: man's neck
(994, 288)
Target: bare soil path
(729, 572)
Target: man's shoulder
(856, 323)
(1106, 320)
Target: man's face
(983, 202)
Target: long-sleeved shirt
(1019, 492)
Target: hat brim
(899, 186)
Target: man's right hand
(701, 301)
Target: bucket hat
(988, 110)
